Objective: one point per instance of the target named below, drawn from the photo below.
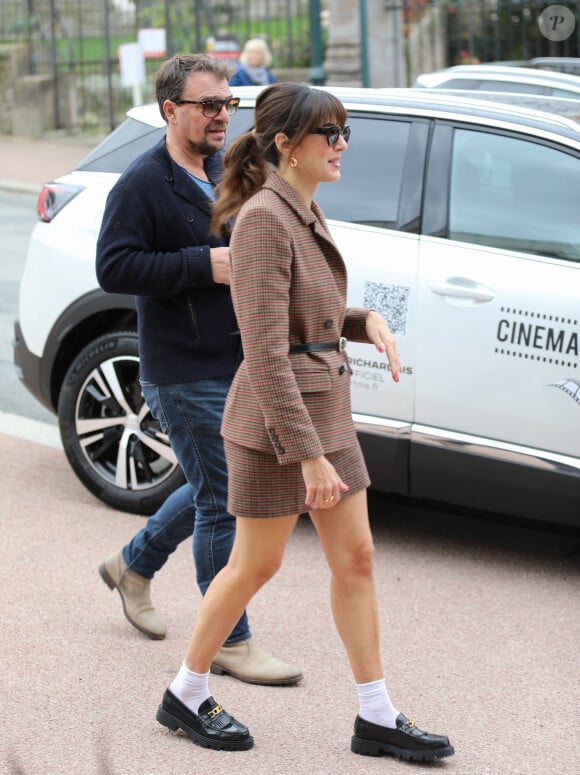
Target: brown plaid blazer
(288, 287)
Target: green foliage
(89, 49)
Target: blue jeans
(191, 414)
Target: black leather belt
(337, 345)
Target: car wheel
(113, 443)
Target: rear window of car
(118, 149)
(132, 138)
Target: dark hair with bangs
(292, 108)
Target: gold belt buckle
(342, 343)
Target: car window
(485, 84)
(119, 148)
(241, 122)
(555, 92)
(512, 86)
(514, 194)
(133, 138)
(459, 83)
(372, 174)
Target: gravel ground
(479, 633)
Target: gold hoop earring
(293, 162)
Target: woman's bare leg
(347, 542)
(256, 556)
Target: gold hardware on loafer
(214, 711)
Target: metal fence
(498, 30)
(77, 43)
(74, 30)
(74, 44)
(441, 33)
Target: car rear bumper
(28, 369)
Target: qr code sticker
(392, 301)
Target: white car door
(382, 272)
(499, 299)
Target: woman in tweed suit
(289, 437)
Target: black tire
(114, 445)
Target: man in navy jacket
(155, 243)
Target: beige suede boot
(249, 662)
(135, 596)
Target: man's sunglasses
(212, 108)
(332, 132)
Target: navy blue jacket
(154, 243)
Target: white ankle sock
(191, 688)
(375, 704)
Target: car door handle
(462, 288)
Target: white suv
(503, 78)
(459, 220)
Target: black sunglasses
(212, 108)
(332, 132)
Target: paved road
(480, 632)
(17, 219)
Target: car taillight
(53, 197)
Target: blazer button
(169, 178)
(342, 369)
(189, 218)
(328, 323)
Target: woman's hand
(380, 335)
(323, 484)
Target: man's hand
(220, 265)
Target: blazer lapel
(312, 217)
(320, 226)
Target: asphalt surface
(480, 629)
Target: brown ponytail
(245, 172)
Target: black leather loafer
(212, 728)
(406, 741)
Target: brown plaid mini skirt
(258, 486)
